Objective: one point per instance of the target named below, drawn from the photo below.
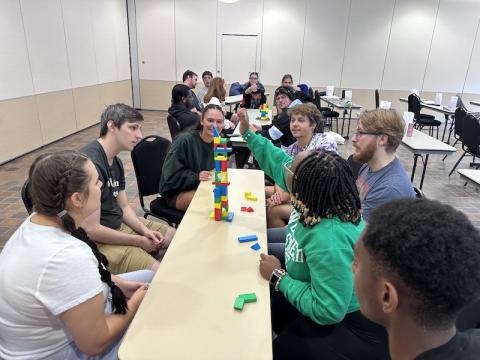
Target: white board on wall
(324, 42)
(77, 16)
(232, 69)
(14, 66)
(104, 20)
(282, 42)
(367, 41)
(410, 39)
(122, 46)
(156, 39)
(452, 45)
(472, 82)
(195, 34)
(43, 23)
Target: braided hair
(323, 187)
(53, 179)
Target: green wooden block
(248, 298)
(239, 302)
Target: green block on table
(248, 298)
(239, 302)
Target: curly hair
(323, 187)
(433, 249)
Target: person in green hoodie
(190, 160)
(315, 311)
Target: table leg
(415, 157)
(343, 123)
(452, 126)
(348, 127)
(424, 169)
(446, 125)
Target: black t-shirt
(463, 346)
(113, 179)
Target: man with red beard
(382, 177)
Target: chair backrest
(316, 99)
(343, 94)
(26, 197)
(148, 157)
(414, 105)
(460, 115)
(377, 99)
(310, 93)
(173, 126)
(471, 134)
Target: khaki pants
(125, 258)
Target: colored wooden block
(252, 197)
(249, 209)
(243, 208)
(248, 298)
(255, 247)
(239, 302)
(230, 217)
(247, 238)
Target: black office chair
(422, 120)
(173, 126)
(419, 194)
(328, 114)
(26, 197)
(377, 99)
(148, 157)
(470, 138)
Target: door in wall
(239, 56)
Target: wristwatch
(277, 275)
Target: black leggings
(355, 337)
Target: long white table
(422, 144)
(188, 311)
(470, 175)
(448, 113)
(336, 102)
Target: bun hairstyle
(285, 90)
(53, 178)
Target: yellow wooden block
(218, 206)
(212, 215)
(216, 140)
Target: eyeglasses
(359, 133)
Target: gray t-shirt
(377, 187)
(113, 179)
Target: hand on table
(268, 263)
(204, 175)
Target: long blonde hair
(216, 89)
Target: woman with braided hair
(57, 300)
(315, 312)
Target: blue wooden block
(247, 238)
(230, 216)
(255, 246)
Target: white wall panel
(195, 33)
(46, 45)
(324, 42)
(452, 45)
(367, 40)
(16, 80)
(77, 17)
(104, 21)
(472, 84)
(156, 39)
(283, 28)
(122, 46)
(412, 30)
(242, 17)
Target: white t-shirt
(43, 272)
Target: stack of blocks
(220, 154)
(264, 112)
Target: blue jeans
(276, 243)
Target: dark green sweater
(188, 156)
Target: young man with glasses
(382, 177)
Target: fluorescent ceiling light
(229, 1)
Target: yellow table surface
(188, 311)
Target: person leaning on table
(57, 300)
(314, 308)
